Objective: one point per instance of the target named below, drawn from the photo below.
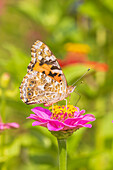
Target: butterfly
(45, 81)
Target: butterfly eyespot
(33, 82)
(28, 88)
(29, 94)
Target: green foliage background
(57, 22)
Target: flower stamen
(62, 113)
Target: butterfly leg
(66, 103)
(52, 107)
(78, 98)
(69, 98)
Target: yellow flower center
(62, 113)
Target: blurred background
(80, 34)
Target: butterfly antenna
(81, 77)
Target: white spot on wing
(30, 76)
(33, 60)
(40, 74)
(33, 54)
(41, 87)
(37, 46)
(48, 79)
(34, 73)
(39, 52)
(57, 71)
(46, 48)
(25, 99)
(47, 58)
(56, 83)
(40, 57)
(52, 58)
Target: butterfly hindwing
(37, 87)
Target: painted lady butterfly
(44, 81)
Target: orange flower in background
(78, 48)
(97, 66)
(78, 54)
(73, 58)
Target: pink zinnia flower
(61, 118)
(4, 126)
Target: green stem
(3, 104)
(2, 143)
(3, 120)
(62, 151)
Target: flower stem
(62, 152)
(3, 104)
(2, 138)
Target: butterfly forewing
(44, 61)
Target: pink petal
(55, 125)
(88, 125)
(36, 123)
(82, 122)
(35, 117)
(76, 114)
(77, 109)
(82, 112)
(41, 114)
(4, 126)
(1, 126)
(77, 126)
(13, 125)
(32, 116)
(86, 118)
(89, 117)
(36, 109)
(71, 121)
